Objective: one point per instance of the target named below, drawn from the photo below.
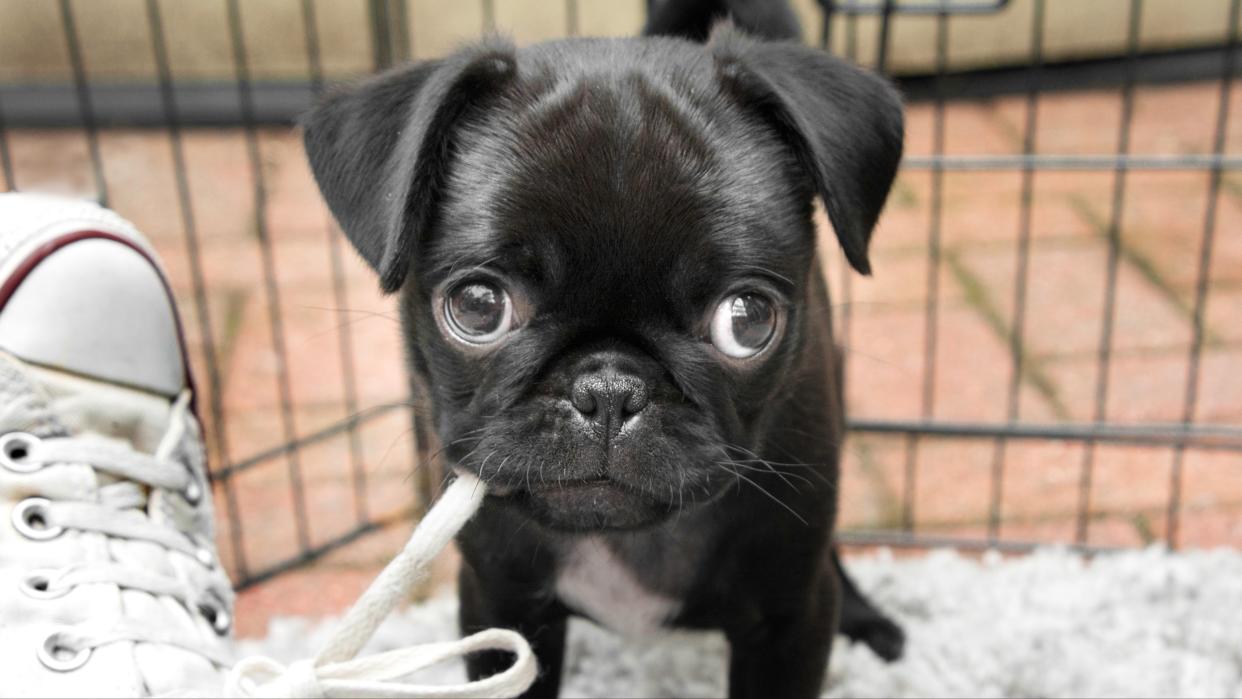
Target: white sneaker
(109, 582)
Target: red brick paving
(1161, 228)
(1066, 300)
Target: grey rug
(1052, 624)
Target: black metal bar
(851, 37)
(382, 54)
(314, 553)
(825, 25)
(489, 16)
(402, 44)
(425, 477)
(6, 160)
(572, 22)
(241, 66)
(85, 108)
(905, 540)
(279, 102)
(1155, 67)
(886, 24)
(352, 422)
(1112, 269)
(1074, 163)
(1017, 337)
(847, 272)
(390, 36)
(1207, 437)
(932, 303)
(1204, 272)
(340, 293)
(933, 7)
(202, 307)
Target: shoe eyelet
(58, 656)
(15, 452)
(37, 585)
(217, 616)
(31, 521)
(193, 492)
(204, 556)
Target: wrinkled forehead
(570, 175)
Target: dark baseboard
(279, 103)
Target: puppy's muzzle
(609, 400)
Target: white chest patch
(593, 581)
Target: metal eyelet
(31, 521)
(37, 585)
(217, 616)
(204, 556)
(193, 492)
(58, 656)
(15, 452)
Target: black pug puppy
(611, 295)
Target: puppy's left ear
(380, 150)
(843, 123)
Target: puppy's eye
(743, 324)
(478, 312)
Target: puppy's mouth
(589, 504)
(572, 485)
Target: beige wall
(116, 38)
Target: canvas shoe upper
(109, 580)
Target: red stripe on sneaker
(14, 280)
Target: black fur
(618, 189)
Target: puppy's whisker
(501, 467)
(359, 311)
(443, 447)
(365, 315)
(771, 466)
(407, 432)
(370, 409)
(866, 355)
(737, 481)
(483, 466)
(769, 495)
(785, 477)
(469, 454)
(811, 468)
(865, 304)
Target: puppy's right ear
(380, 150)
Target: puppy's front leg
(543, 624)
(787, 655)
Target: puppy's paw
(884, 637)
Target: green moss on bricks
(1141, 263)
(978, 298)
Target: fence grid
(391, 43)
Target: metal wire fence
(254, 107)
(1180, 436)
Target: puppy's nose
(609, 399)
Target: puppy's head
(604, 249)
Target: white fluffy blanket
(1052, 624)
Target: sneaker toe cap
(99, 308)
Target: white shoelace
(119, 512)
(337, 672)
